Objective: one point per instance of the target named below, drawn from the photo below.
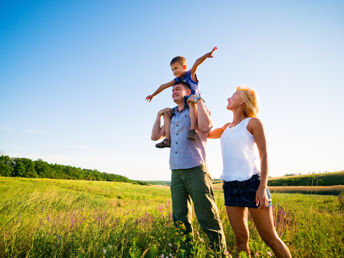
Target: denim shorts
(243, 193)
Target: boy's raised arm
(160, 89)
(201, 60)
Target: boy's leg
(167, 123)
(193, 121)
(166, 142)
(192, 115)
(199, 186)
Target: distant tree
(23, 167)
(6, 165)
(43, 169)
(19, 168)
(29, 168)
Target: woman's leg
(263, 220)
(238, 218)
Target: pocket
(252, 184)
(249, 198)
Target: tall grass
(45, 217)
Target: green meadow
(70, 218)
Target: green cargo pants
(195, 184)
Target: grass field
(46, 217)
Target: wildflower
(170, 244)
(269, 253)
(104, 251)
(42, 209)
(162, 255)
(18, 218)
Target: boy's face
(178, 69)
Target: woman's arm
(255, 127)
(217, 133)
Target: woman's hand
(261, 197)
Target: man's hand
(149, 98)
(167, 111)
(210, 54)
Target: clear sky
(74, 76)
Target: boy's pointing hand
(210, 54)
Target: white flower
(104, 251)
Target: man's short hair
(185, 85)
(178, 59)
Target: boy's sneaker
(192, 135)
(164, 144)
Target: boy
(178, 66)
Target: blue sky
(74, 76)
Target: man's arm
(204, 122)
(160, 89)
(199, 61)
(158, 131)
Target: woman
(245, 187)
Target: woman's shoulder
(254, 120)
(254, 123)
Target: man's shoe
(192, 135)
(164, 144)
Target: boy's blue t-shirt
(193, 84)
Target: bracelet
(198, 98)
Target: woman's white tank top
(239, 153)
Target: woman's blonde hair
(251, 101)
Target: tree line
(24, 167)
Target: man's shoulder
(175, 110)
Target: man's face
(178, 69)
(179, 92)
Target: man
(190, 179)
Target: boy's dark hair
(185, 84)
(178, 59)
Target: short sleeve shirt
(185, 153)
(193, 84)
